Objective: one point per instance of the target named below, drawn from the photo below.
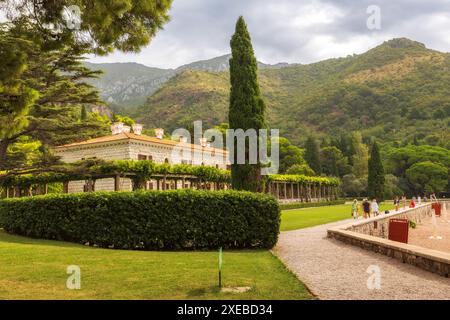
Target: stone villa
(123, 144)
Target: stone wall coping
(402, 247)
(438, 261)
(382, 216)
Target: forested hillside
(398, 92)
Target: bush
(150, 220)
(301, 205)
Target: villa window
(142, 157)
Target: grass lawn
(36, 269)
(309, 217)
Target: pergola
(302, 191)
(146, 175)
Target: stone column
(66, 187)
(117, 183)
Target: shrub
(301, 205)
(148, 220)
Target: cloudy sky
(301, 31)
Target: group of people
(412, 204)
(372, 209)
(369, 208)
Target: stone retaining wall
(372, 234)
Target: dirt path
(334, 270)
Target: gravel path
(334, 270)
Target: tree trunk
(4, 144)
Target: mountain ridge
(398, 91)
(128, 84)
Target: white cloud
(290, 30)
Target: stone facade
(129, 146)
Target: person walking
(433, 197)
(404, 202)
(355, 209)
(412, 204)
(375, 208)
(366, 208)
(419, 200)
(397, 203)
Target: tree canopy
(103, 25)
(428, 177)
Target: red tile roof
(131, 136)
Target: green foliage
(302, 205)
(312, 154)
(139, 170)
(23, 153)
(171, 220)
(333, 162)
(290, 155)
(391, 187)
(327, 181)
(83, 114)
(126, 120)
(16, 97)
(375, 185)
(300, 169)
(373, 93)
(353, 186)
(57, 76)
(428, 177)
(127, 25)
(399, 160)
(360, 158)
(247, 108)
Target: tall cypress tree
(376, 174)
(312, 154)
(247, 108)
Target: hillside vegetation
(398, 91)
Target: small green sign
(220, 267)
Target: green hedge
(299, 178)
(301, 205)
(150, 220)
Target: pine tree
(126, 25)
(16, 97)
(52, 116)
(375, 187)
(312, 154)
(247, 108)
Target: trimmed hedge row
(149, 220)
(301, 205)
(299, 178)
